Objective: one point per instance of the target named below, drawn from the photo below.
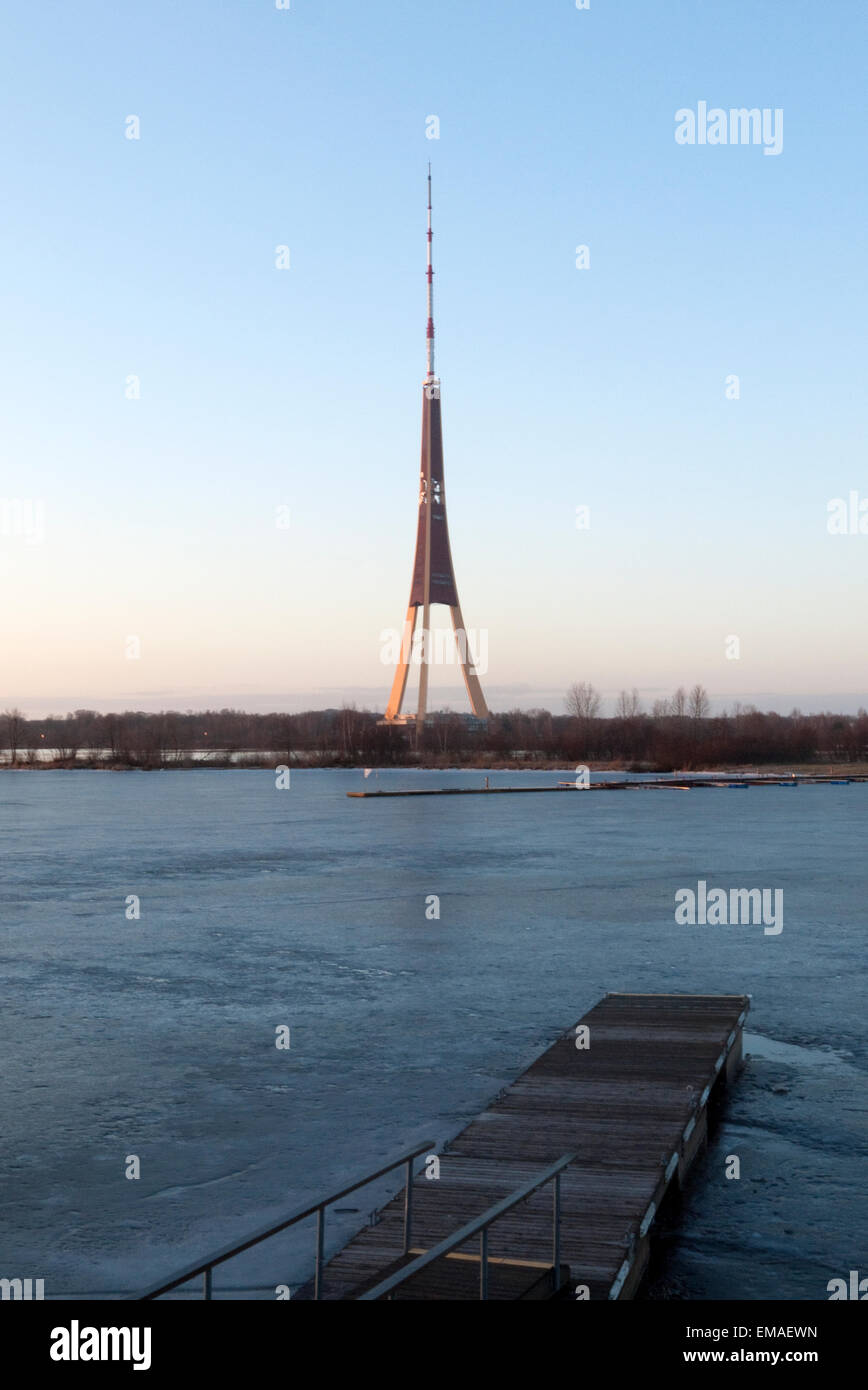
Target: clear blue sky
(562, 387)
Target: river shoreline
(252, 762)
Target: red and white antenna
(430, 331)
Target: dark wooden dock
(632, 1107)
(684, 784)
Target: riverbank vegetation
(676, 734)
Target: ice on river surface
(262, 907)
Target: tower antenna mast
(430, 329)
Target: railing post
(320, 1250)
(479, 1226)
(556, 1221)
(408, 1206)
(318, 1209)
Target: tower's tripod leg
(399, 684)
(468, 670)
(423, 668)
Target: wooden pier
(683, 784)
(630, 1108)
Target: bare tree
(446, 723)
(15, 723)
(68, 738)
(629, 705)
(173, 750)
(90, 727)
(349, 728)
(583, 701)
(285, 729)
(679, 702)
(661, 709)
(700, 705)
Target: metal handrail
(479, 1225)
(204, 1267)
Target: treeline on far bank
(347, 737)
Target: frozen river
(260, 907)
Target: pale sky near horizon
(264, 389)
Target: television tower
(433, 578)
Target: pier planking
(633, 1107)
